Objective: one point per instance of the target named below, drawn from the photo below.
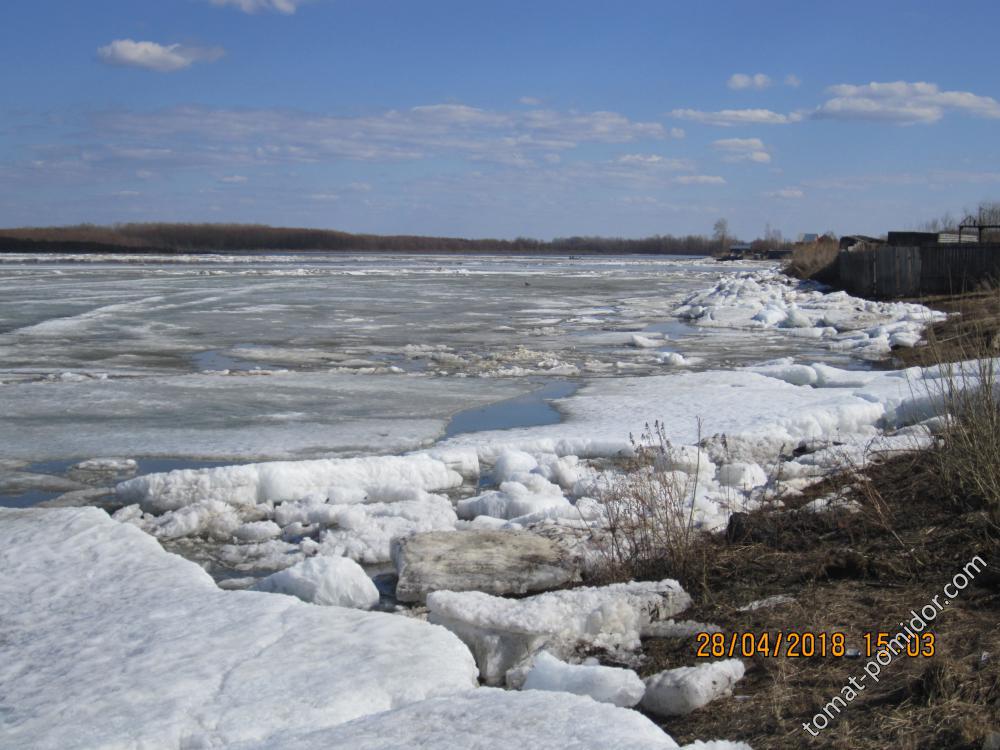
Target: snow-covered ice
(111, 642)
(620, 687)
(770, 300)
(251, 484)
(330, 581)
(675, 692)
(486, 719)
(501, 632)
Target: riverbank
(857, 554)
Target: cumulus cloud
(530, 101)
(152, 56)
(731, 117)
(677, 133)
(788, 193)
(234, 179)
(743, 149)
(699, 179)
(902, 102)
(740, 81)
(793, 80)
(287, 7)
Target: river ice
(255, 412)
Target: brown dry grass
(651, 532)
(813, 261)
(854, 573)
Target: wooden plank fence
(885, 271)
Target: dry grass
(854, 573)
(814, 261)
(651, 532)
(971, 330)
(969, 457)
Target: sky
(481, 118)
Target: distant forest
(193, 238)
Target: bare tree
(720, 233)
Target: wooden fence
(885, 271)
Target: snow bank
(130, 646)
(620, 687)
(675, 692)
(333, 581)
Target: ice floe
(675, 692)
(620, 687)
(492, 561)
(501, 632)
(331, 581)
(130, 646)
(489, 718)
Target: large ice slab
(675, 692)
(108, 641)
(488, 719)
(239, 417)
(501, 632)
(620, 687)
(329, 581)
(497, 562)
(250, 484)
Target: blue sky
(481, 118)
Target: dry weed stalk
(651, 529)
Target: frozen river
(196, 360)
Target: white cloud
(153, 56)
(325, 197)
(793, 80)
(789, 193)
(234, 139)
(234, 179)
(530, 101)
(677, 133)
(730, 117)
(361, 187)
(287, 7)
(699, 179)
(653, 160)
(743, 81)
(902, 102)
(743, 149)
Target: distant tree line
(237, 237)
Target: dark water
(530, 410)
